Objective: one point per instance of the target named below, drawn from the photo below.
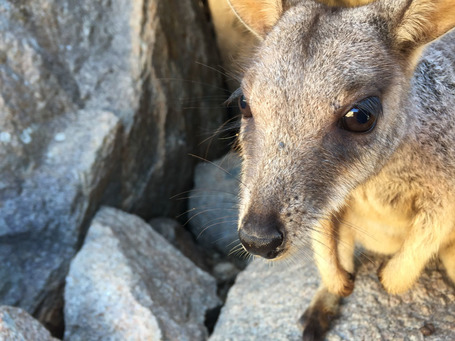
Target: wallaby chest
(381, 211)
(379, 223)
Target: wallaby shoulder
(432, 103)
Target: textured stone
(181, 239)
(180, 107)
(267, 300)
(17, 325)
(213, 204)
(212, 262)
(129, 283)
(40, 225)
(95, 108)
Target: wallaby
(348, 136)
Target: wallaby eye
(363, 116)
(244, 107)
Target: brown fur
(236, 41)
(391, 190)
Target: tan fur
(235, 41)
(425, 21)
(309, 181)
(258, 15)
(413, 234)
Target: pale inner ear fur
(425, 21)
(257, 15)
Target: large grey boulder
(17, 325)
(41, 224)
(268, 299)
(96, 107)
(129, 283)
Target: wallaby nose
(262, 236)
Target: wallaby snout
(262, 235)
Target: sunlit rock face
(96, 107)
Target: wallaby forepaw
(316, 320)
(315, 323)
(393, 280)
(341, 285)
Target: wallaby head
(325, 105)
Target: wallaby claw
(379, 272)
(348, 286)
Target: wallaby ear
(345, 3)
(424, 21)
(257, 15)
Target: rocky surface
(224, 271)
(95, 108)
(267, 300)
(40, 225)
(182, 240)
(17, 325)
(129, 283)
(213, 204)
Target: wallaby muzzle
(262, 235)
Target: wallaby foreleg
(333, 250)
(447, 256)
(428, 233)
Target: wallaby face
(335, 128)
(302, 156)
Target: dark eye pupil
(244, 107)
(243, 102)
(362, 117)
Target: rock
(225, 274)
(223, 271)
(94, 109)
(17, 324)
(40, 226)
(182, 240)
(267, 300)
(129, 283)
(213, 204)
(179, 108)
(168, 228)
